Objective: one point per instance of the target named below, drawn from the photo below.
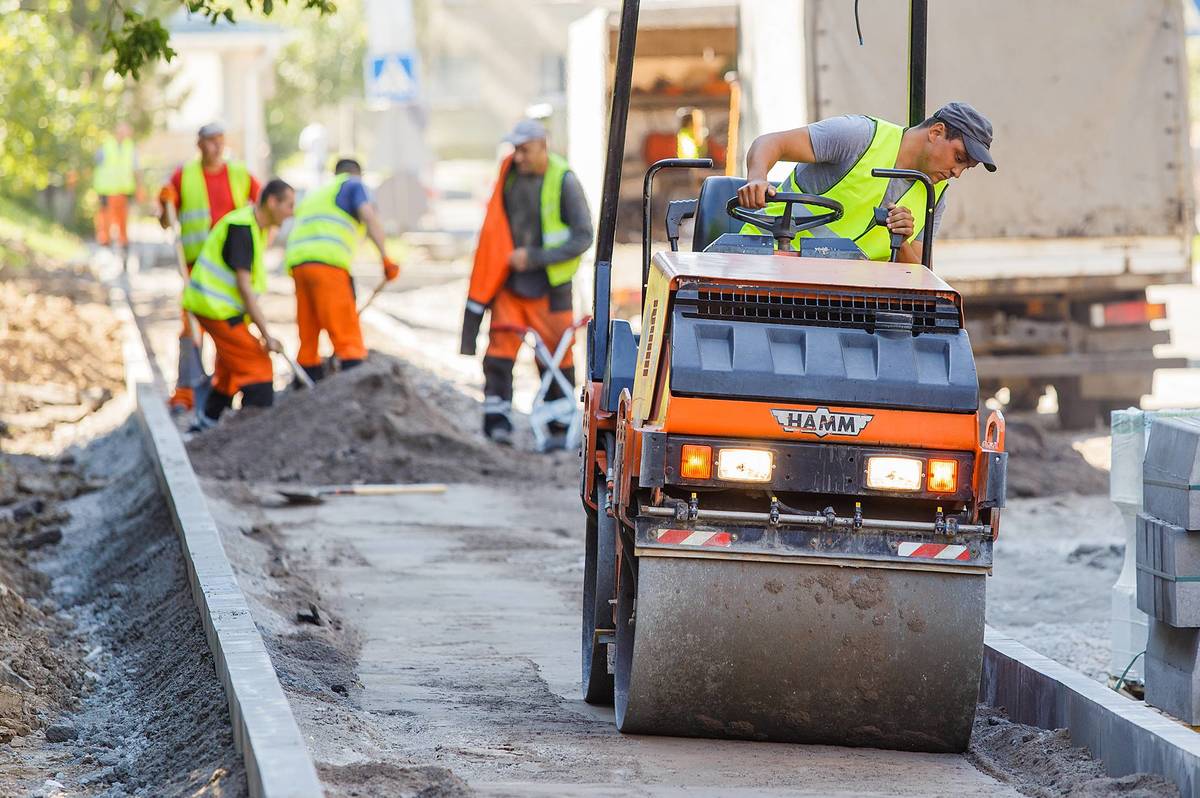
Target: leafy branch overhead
(137, 39)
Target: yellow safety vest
(195, 217)
(323, 233)
(555, 231)
(114, 173)
(687, 146)
(860, 193)
(212, 290)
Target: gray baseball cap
(525, 131)
(211, 129)
(976, 130)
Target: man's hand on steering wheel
(755, 194)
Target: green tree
(316, 71)
(55, 100)
(136, 37)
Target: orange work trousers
(113, 212)
(241, 359)
(325, 301)
(512, 311)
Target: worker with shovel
(320, 251)
(536, 228)
(199, 193)
(221, 294)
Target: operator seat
(712, 221)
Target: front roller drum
(798, 653)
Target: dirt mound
(380, 422)
(1043, 763)
(60, 350)
(380, 778)
(1042, 462)
(41, 669)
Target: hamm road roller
(791, 499)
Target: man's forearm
(251, 302)
(374, 227)
(764, 153)
(910, 252)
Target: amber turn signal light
(943, 476)
(695, 462)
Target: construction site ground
(428, 644)
(431, 642)
(107, 685)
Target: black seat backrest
(711, 219)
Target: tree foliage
(137, 38)
(55, 98)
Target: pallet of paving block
(1171, 472)
(1168, 572)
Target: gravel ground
(106, 684)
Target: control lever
(897, 240)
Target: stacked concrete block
(1168, 572)
(1128, 626)
(1168, 566)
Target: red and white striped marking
(934, 551)
(687, 537)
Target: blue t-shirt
(352, 196)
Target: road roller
(791, 493)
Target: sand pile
(381, 422)
(1041, 462)
(1041, 763)
(60, 351)
(41, 669)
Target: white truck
(1093, 199)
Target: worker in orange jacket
(536, 228)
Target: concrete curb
(278, 764)
(1126, 735)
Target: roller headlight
(895, 473)
(745, 465)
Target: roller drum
(802, 653)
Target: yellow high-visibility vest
(114, 174)
(860, 193)
(195, 217)
(212, 290)
(324, 233)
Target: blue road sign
(392, 77)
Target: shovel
(317, 495)
(298, 371)
(378, 290)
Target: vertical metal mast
(606, 237)
(918, 41)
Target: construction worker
(202, 191)
(115, 181)
(221, 294)
(689, 138)
(835, 157)
(320, 250)
(536, 227)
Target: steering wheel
(785, 227)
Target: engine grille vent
(907, 312)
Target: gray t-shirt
(838, 143)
